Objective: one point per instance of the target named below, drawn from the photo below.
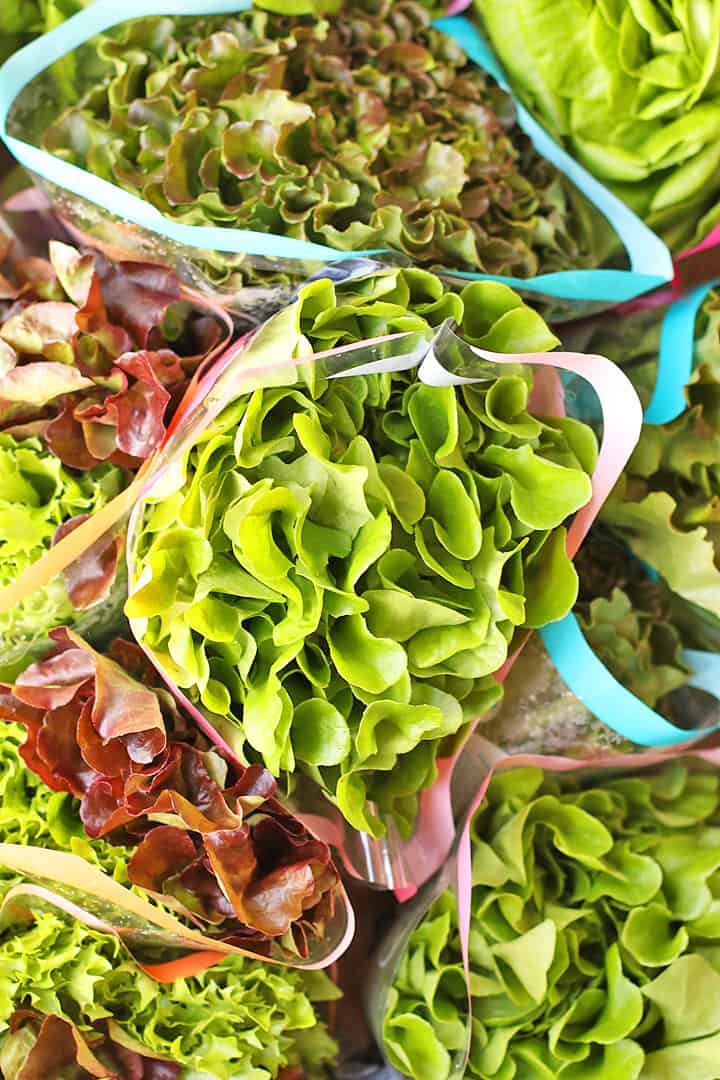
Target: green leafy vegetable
(633, 88)
(593, 937)
(342, 563)
(38, 497)
(665, 506)
(238, 1018)
(366, 130)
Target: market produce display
(632, 87)
(215, 845)
(238, 1017)
(304, 565)
(343, 563)
(593, 935)
(365, 129)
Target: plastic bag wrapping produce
(250, 148)
(631, 89)
(206, 838)
(70, 990)
(344, 539)
(94, 358)
(641, 648)
(580, 920)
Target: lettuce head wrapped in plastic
(363, 130)
(73, 997)
(632, 87)
(335, 558)
(209, 841)
(592, 944)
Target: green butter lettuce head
(342, 563)
(37, 496)
(633, 88)
(593, 944)
(365, 129)
(239, 1018)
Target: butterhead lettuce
(593, 944)
(342, 563)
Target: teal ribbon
(609, 700)
(649, 258)
(675, 361)
(571, 654)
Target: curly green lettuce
(342, 563)
(633, 89)
(594, 941)
(365, 130)
(40, 501)
(237, 1018)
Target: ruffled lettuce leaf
(95, 355)
(633, 90)
(592, 939)
(366, 129)
(210, 841)
(344, 562)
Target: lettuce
(632, 87)
(40, 500)
(366, 130)
(238, 1018)
(206, 839)
(343, 563)
(95, 355)
(593, 938)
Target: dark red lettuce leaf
(209, 837)
(90, 577)
(114, 331)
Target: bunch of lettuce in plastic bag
(94, 358)
(592, 936)
(209, 841)
(632, 87)
(73, 997)
(665, 507)
(630, 622)
(334, 567)
(364, 130)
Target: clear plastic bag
(440, 359)
(221, 259)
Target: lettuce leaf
(38, 497)
(368, 129)
(593, 936)
(344, 562)
(632, 88)
(95, 355)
